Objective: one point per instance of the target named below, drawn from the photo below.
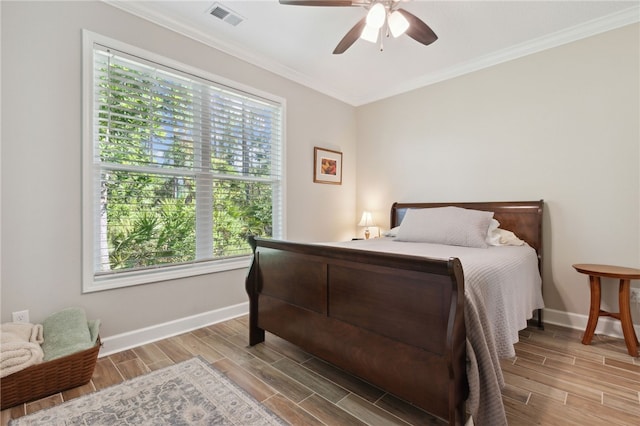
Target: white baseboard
(606, 326)
(132, 339)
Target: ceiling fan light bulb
(398, 24)
(376, 16)
(370, 34)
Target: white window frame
(91, 177)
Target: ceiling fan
(383, 17)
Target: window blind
(185, 168)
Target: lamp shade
(376, 16)
(366, 219)
(398, 24)
(370, 34)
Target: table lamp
(366, 221)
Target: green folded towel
(94, 329)
(67, 332)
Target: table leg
(630, 337)
(594, 310)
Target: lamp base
(366, 234)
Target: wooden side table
(625, 275)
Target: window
(179, 168)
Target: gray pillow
(446, 225)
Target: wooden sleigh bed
(397, 321)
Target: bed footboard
(395, 321)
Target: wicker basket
(48, 378)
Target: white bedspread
(502, 290)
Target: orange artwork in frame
(327, 166)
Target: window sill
(127, 279)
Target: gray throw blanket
(483, 366)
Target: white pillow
(446, 225)
(502, 237)
(497, 236)
(393, 232)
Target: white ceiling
(297, 41)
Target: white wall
(561, 125)
(41, 169)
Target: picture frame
(327, 166)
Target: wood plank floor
(554, 379)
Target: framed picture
(327, 166)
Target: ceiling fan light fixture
(370, 33)
(383, 18)
(398, 24)
(376, 16)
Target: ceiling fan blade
(350, 37)
(319, 2)
(418, 30)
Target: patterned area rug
(188, 393)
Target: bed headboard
(524, 218)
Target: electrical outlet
(635, 295)
(21, 316)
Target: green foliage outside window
(159, 158)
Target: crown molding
(145, 11)
(569, 35)
(620, 19)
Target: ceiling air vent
(225, 14)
